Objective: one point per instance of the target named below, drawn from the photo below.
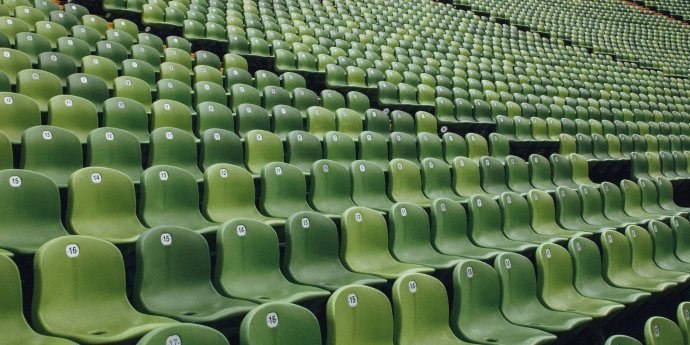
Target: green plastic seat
(285, 119)
(405, 183)
(85, 278)
(662, 238)
(76, 114)
(681, 227)
(283, 191)
(89, 87)
(312, 254)
(618, 269)
(280, 323)
(562, 171)
(420, 310)
(519, 302)
(632, 202)
(410, 237)
(466, 177)
(175, 147)
(588, 277)
(127, 114)
(493, 175)
(220, 146)
(515, 220)
(261, 148)
(101, 203)
(229, 193)
(517, 174)
(330, 187)
(101, 67)
(184, 333)
(662, 331)
(32, 213)
(650, 198)
(569, 212)
(593, 208)
(302, 150)
(475, 312)
(170, 196)
(39, 85)
(19, 113)
(12, 62)
(543, 216)
(371, 256)
(373, 148)
(621, 340)
(13, 323)
(116, 149)
(436, 180)
(174, 264)
(357, 314)
(32, 44)
(449, 233)
(134, 89)
(51, 151)
(59, 64)
(540, 173)
(556, 289)
(251, 117)
(484, 224)
(369, 186)
(643, 256)
(613, 205)
(212, 115)
(339, 147)
(248, 267)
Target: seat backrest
(184, 333)
(127, 114)
(466, 178)
(540, 172)
(616, 253)
(102, 203)
(476, 146)
(493, 176)
(476, 294)
(302, 150)
(80, 274)
(357, 314)
(404, 181)
(228, 193)
(283, 190)
(402, 146)
(330, 187)
(220, 146)
(19, 113)
(52, 151)
(518, 281)
(170, 260)
(168, 193)
(170, 113)
(368, 182)
(114, 148)
(555, 271)
(373, 147)
(517, 174)
(662, 331)
(420, 308)
(176, 147)
(260, 148)
(339, 147)
(278, 322)
(409, 230)
(32, 212)
(247, 251)
(542, 209)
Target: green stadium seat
(19, 114)
(260, 148)
(484, 219)
(357, 314)
(280, 322)
(175, 147)
(330, 187)
(405, 183)
(248, 267)
(476, 314)
(174, 263)
(642, 257)
(311, 254)
(662, 239)
(420, 309)
(51, 151)
(116, 149)
(515, 223)
(126, 114)
(302, 150)
(39, 85)
(660, 330)
(543, 216)
(66, 265)
(76, 114)
(519, 302)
